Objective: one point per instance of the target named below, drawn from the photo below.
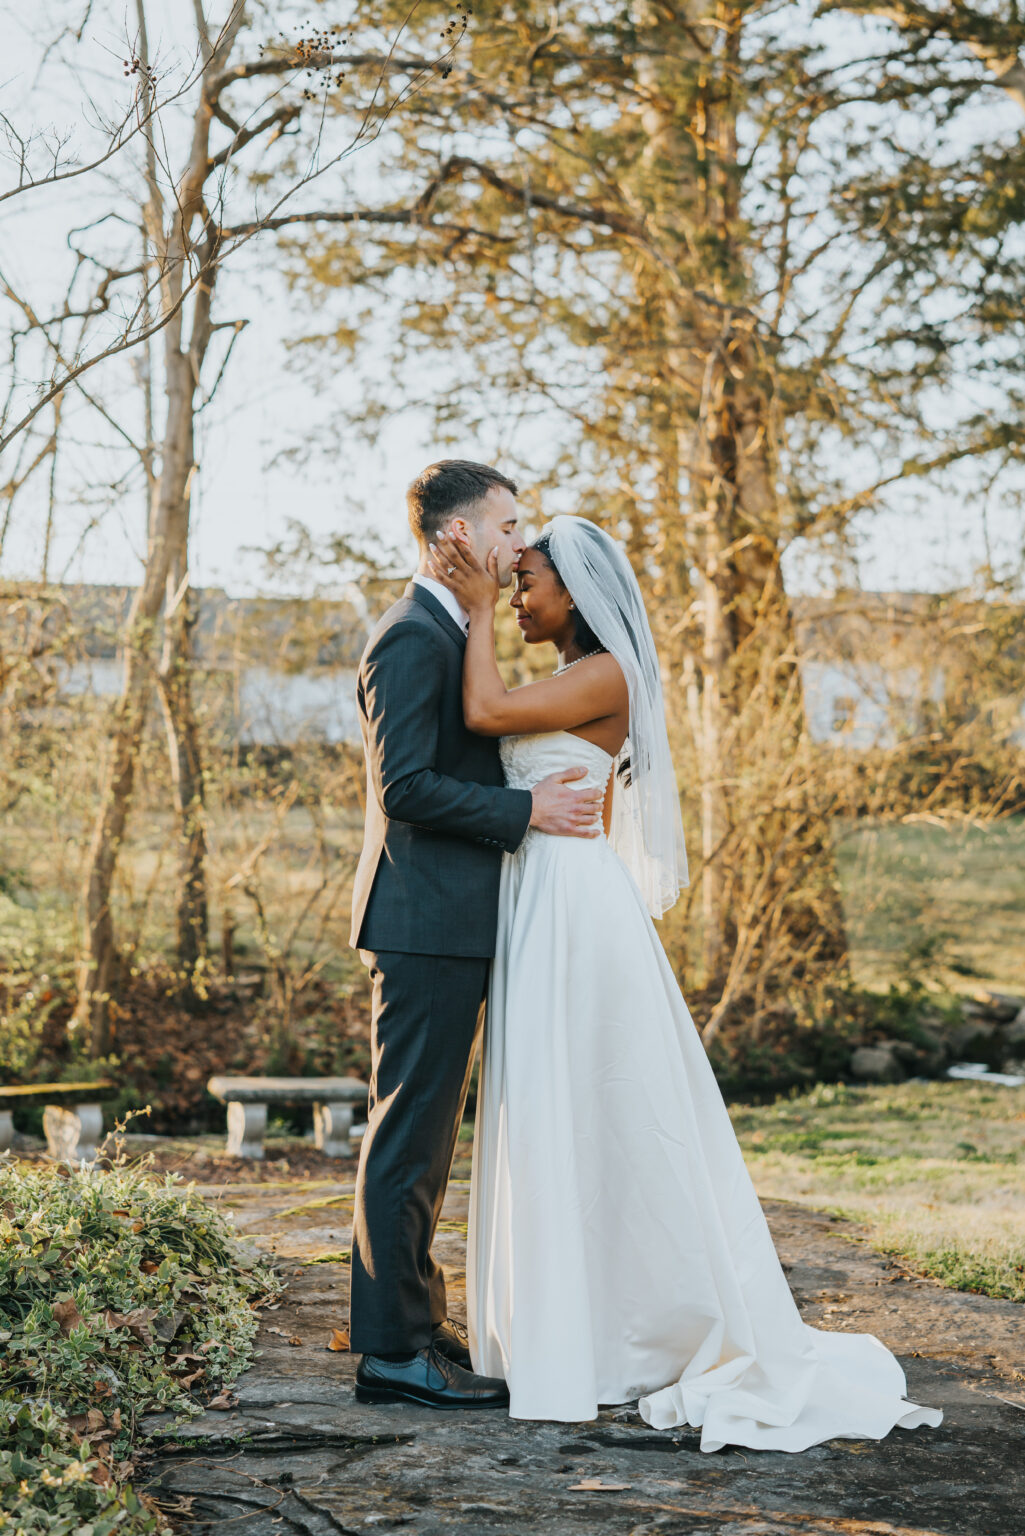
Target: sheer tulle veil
(646, 831)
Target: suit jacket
(438, 815)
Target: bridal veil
(647, 830)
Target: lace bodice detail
(529, 759)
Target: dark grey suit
(424, 915)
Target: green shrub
(119, 1294)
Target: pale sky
(242, 498)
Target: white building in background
(269, 708)
(274, 671)
(273, 708)
(857, 705)
(878, 666)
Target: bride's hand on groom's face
(456, 566)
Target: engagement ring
(451, 569)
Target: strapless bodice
(529, 759)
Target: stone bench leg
(331, 1126)
(247, 1126)
(6, 1130)
(72, 1134)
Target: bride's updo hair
(583, 634)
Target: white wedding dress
(617, 1249)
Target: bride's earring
(573, 605)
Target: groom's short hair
(450, 488)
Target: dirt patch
(204, 1160)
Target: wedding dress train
(617, 1249)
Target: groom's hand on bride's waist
(563, 811)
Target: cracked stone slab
(298, 1454)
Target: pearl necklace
(586, 657)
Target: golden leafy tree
(740, 264)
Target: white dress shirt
(447, 599)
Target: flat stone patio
(298, 1454)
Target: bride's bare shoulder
(600, 670)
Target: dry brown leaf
(95, 1419)
(339, 1340)
(595, 1485)
(67, 1315)
(223, 1402)
(137, 1322)
(148, 1266)
(167, 1325)
(283, 1333)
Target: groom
(424, 918)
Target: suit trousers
(425, 1023)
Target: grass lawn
(934, 1171)
(946, 903)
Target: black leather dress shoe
(428, 1379)
(452, 1340)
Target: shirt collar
(447, 599)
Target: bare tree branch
(132, 124)
(961, 25)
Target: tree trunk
(175, 676)
(183, 745)
(748, 693)
(771, 907)
(97, 959)
(717, 936)
(167, 542)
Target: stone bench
(247, 1099)
(72, 1116)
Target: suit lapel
(437, 611)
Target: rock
(1002, 1006)
(1014, 1034)
(973, 1040)
(300, 1454)
(876, 1064)
(933, 1041)
(919, 1058)
(978, 1072)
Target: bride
(617, 1249)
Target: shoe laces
(438, 1362)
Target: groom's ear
(460, 527)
